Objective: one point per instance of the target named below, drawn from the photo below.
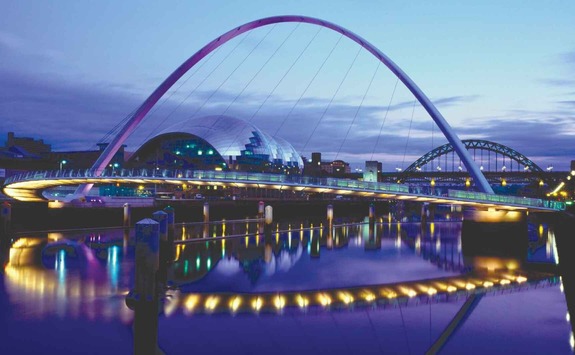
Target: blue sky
(503, 71)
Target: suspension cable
(332, 98)
(277, 84)
(357, 110)
(308, 85)
(182, 84)
(408, 134)
(384, 119)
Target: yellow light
(279, 302)
(368, 296)
(521, 279)
(451, 288)
(324, 299)
(212, 302)
(505, 282)
(141, 187)
(432, 182)
(235, 303)
(302, 301)
(191, 302)
(487, 284)
(257, 304)
(431, 291)
(469, 286)
(346, 298)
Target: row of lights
(234, 303)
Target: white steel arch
(141, 112)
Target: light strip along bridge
(29, 186)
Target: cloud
(558, 82)
(74, 116)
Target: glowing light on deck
(212, 302)
(191, 303)
(235, 303)
(521, 279)
(302, 301)
(451, 288)
(257, 304)
(324, 299)
(346, 297)
(505, 282)
(279, 302)
(368, 296)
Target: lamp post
(62, 162)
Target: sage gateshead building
(217, 143)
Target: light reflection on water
(86, 275)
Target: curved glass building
(220, 143)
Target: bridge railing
(506, 199)
(294, 180)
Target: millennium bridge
(29, 186)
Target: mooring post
(371, 216)
(269, 217)
(127, 215)
(5, 227)
(6, 221)
(206, 212)
(171, 221)
(162, 218)
(144, 298)
(261, 207)
(329, 226)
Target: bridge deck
(28, 187)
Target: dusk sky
(503, 71)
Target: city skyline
(498, 72)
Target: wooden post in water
(171, 221)
(144, 298)
(5, 221)
(269, 217)
(261, 207)
(206, 212)
(127, 215)
(5, 227)
(162, 218)
(371, 220)
(329, 226)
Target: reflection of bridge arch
(476, 144)
(141, 112)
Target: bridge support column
(127, 215)
(371, 218)
(268, 219)
(493, 233)
(261, 207)
(427, 213)
(5, 227)
(206, 212)
(5, 221)
(162, 218)
(171, 221)
(329, 223)
(143, 299)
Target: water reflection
(83, 277)
(87, 274)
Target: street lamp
(62, 162)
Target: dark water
(64, 293)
